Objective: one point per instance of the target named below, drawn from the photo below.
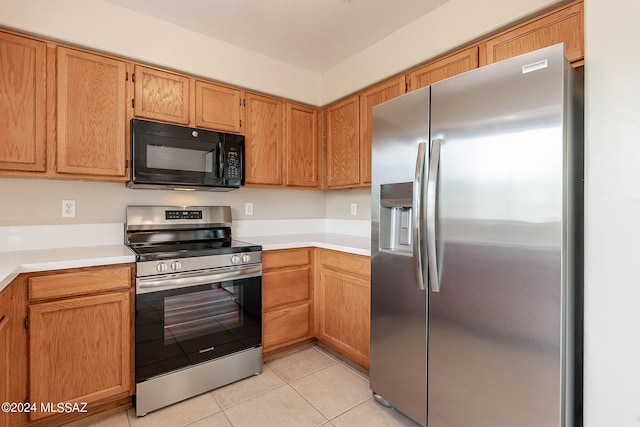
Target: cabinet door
(5, 355)
(368, 100)
(443, 68)
(160, 95)
(343, 303)
(263, 143)
(342, 144)
(218, 107)
(91, 115)
(22, 104)
(80, 349)
(302, 155)
(565, 25)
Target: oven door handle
(202, 278)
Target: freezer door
(498, 319)
(400, 129)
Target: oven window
(184, 327)
(182, 159)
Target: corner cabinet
(286, 296)
(91, 116)
(342, 303)
(22, 104)
(342, 144)
(302, 154)
(264, 140)
(80, 325)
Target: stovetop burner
(192, 249)
(161, 233)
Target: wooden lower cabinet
(286, 292)
(343, 303)
(79, 349)
(62, 344)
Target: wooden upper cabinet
(218, 107)
(91, 115)
(442, 69)
(160, 95)
(264, 137)
(22, 104)
(368, 99)
(302, 155)
(342, 145)
(564, 25)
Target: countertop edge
(31, 261)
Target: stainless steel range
(198, 316)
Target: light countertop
(360, 245)
(15, 262)
(23, 249)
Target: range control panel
(183, 214)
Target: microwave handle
(220, 160)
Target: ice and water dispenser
(396, 218)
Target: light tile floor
(307, 388)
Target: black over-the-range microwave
(179, 157)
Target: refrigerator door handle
(432, 184)
(417, 214)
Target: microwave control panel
(233, 165)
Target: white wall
(39, 201)
(453, 24)
(103, 26)
(612, 230)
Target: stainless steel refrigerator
(476, 245)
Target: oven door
(183, 320)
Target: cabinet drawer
(285, 326)
(284, 258)
(79, 283)
(285, 287)
(351, 264)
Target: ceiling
(312, 34)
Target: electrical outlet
(354, 209)
(248, 208)
(68, 208)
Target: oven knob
(176, 265)
(246, 258)
(161, 267)
(235, 259)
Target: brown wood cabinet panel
(79, 283)
(302, 154)
(368, 99)
(91, 115)
(160, 95)
(218, 107)
(22, 104)
(264, 136)
(285, 326)
(5, 355)
(345, 313)
(285, 258)
(13, 349)
(286, 297)
(70, 362)
(343, 303)
(285, 287)
(342, 145)
(565, 25)
(444, 68)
